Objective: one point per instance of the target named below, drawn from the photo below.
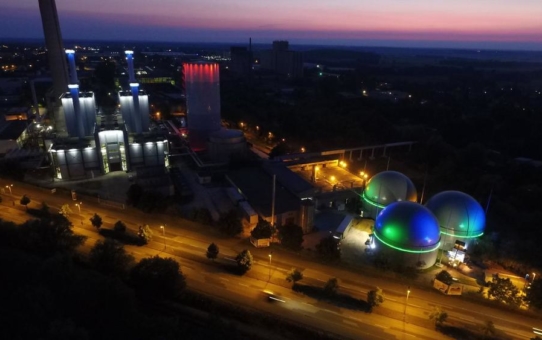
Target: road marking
(242, 284)
(377, 325)
(351, 323)
(224, 279)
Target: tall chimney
(55, 47)
(130, 59)
(79, 124)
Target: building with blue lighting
(101, 142)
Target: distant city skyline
(480, 24)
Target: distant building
(282, 60)
(241, 61)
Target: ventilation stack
(134, 88)
(76, 122)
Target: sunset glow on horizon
(302, 21)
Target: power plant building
(101, 142)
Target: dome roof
(388, 187)
(458, 214)
(409, 227)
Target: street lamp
(406, 303)
(270, 257)
(163, 234)
(78, 205)
(534, 275)
(9, 188)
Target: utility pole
(273, 200)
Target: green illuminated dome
(387, 187)
(458, 214)
(408, 227)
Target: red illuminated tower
(202, 84)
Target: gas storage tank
(202, 86)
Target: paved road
(187, 242)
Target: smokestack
(130, 59)
(73, 69)
(74, 91)
(55, 47)
(136, 114)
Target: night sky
(500, 24)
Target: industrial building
(101, 142)
(275, 194)
(409, 233)
(385, 188)
(281, 60)
(461, 218)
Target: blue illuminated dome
(458, 214)
(387, 187)
(407, 227)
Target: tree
(438, 316)
(488, 328)
(25, 201)
(444, 277)
(65, 210)
(44, 208)
(96, 221)
(119, 227)
(375, 297)
(244, 260)
(110, 258)
(294, 275)
(503, 290)
(331, 287)
(48, 236)
(263, 229)
(212, 251)
(156, 276)
(328, 248)
(145, 233)
(534, 295)
(291, 236)
(230, 223)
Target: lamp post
(163, 234)
(9, 188)
(270, 257)
(406, 302)
(534, 275)
(78, 205)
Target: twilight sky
(503, 24)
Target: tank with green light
(385, 188)
(410, 231)
(460, 217)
